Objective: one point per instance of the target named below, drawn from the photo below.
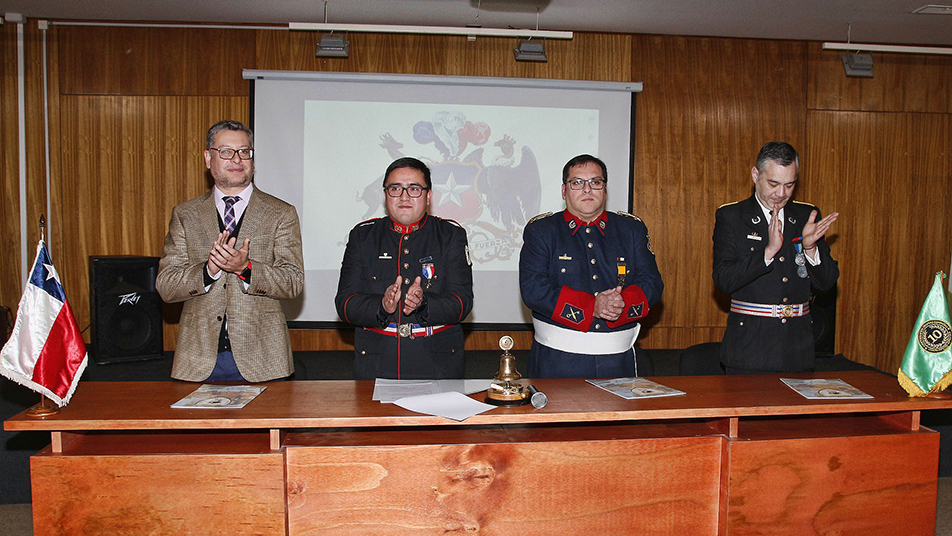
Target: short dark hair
(780, 152)
(583, 159)
(409, 162)
(228, 125)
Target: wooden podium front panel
(626, 486)
(158, 494)
(859, 485)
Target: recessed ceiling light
(934, 9)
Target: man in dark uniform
(407, 281)
(587, 275)
(768, 253)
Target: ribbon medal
(622, 271)
(800, 259)
(428, 269)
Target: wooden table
(737, 455)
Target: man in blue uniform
(406, 281)
(768, 254)
(587, 275)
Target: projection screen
(495, 146)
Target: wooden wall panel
(11, 282)
(707, 107)
(889, 177)
(126, 162)
(154, 61)
(129, 108)
(10, 288)
(900, 83)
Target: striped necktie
(229, 220)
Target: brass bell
(507, 368)
(505, 390)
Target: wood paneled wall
(129, 108)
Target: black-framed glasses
(579, 184)
(395, 190)
(227, 153)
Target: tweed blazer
(257, 328)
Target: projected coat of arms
(492, 201)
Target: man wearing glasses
(587, 275)
(231, 254)
(406, 281)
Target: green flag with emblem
(927, 365)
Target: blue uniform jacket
(564, 262)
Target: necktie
(229, 219)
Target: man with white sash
(587, 275)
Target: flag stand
(41, 409)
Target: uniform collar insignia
(575, 223)
(407, 229)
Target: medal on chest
(428, 270)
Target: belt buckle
(405, 330)
(786, 311)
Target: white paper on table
(451, 405)
(386, 391)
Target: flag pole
(42, 409)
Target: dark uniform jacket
(563, 263)
(376, 251)
(740, 238)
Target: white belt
(582, 342)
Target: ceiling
(865, 21)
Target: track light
(332, 46)
(858, 65)
(529, 50)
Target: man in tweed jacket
(231, 254)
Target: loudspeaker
(823, 314)
(125, 308)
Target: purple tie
(230, 201)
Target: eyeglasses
(228, 153)
(395, 190)
(579, 184)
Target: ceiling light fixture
(332, 45)
(858, 65)
(529, 50)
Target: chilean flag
(46, 352)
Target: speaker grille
(126, 310)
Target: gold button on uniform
(595, 276)
(781, 259)
(406, 281)
(593, 261)
(406, 265)
(562, 270)
(785, 279)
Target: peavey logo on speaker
(132, 298)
